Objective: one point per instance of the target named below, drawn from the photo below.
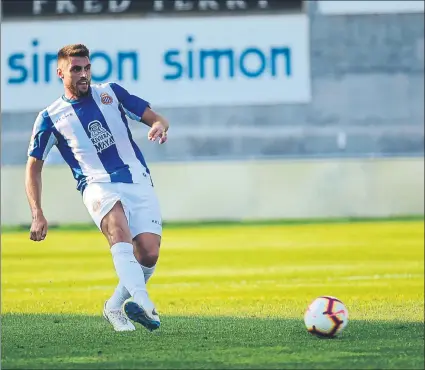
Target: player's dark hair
(73, 50)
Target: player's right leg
(106, 209)
(147, 255)
(146, 250)
(142, 206)
(146, 230)
(115, 228)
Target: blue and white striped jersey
(93, 136)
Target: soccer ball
(326, 317)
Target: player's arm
(159, 125)
(139, 110)
(33, 189)
(42, 140)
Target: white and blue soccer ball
(326, 317)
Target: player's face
(77, 76)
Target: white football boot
(117, 319)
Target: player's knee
(147, 248)
(150, 257)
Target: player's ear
(59, 73)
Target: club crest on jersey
(106, 99)
(100, 137)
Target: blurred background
(278, 109)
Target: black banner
(67, 8)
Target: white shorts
(139, 201)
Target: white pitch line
(245, 284)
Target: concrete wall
(244, 190)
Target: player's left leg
(146, 250)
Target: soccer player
(89, 127)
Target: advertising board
(68, 8)
(169, 62)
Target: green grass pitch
(229, 297)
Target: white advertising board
(169, 62)
(341, 7)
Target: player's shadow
(89, 342)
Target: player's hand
(158, 131)
(38, 228)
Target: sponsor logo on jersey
(100, 137)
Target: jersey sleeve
(43, 138)
(134, 106)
